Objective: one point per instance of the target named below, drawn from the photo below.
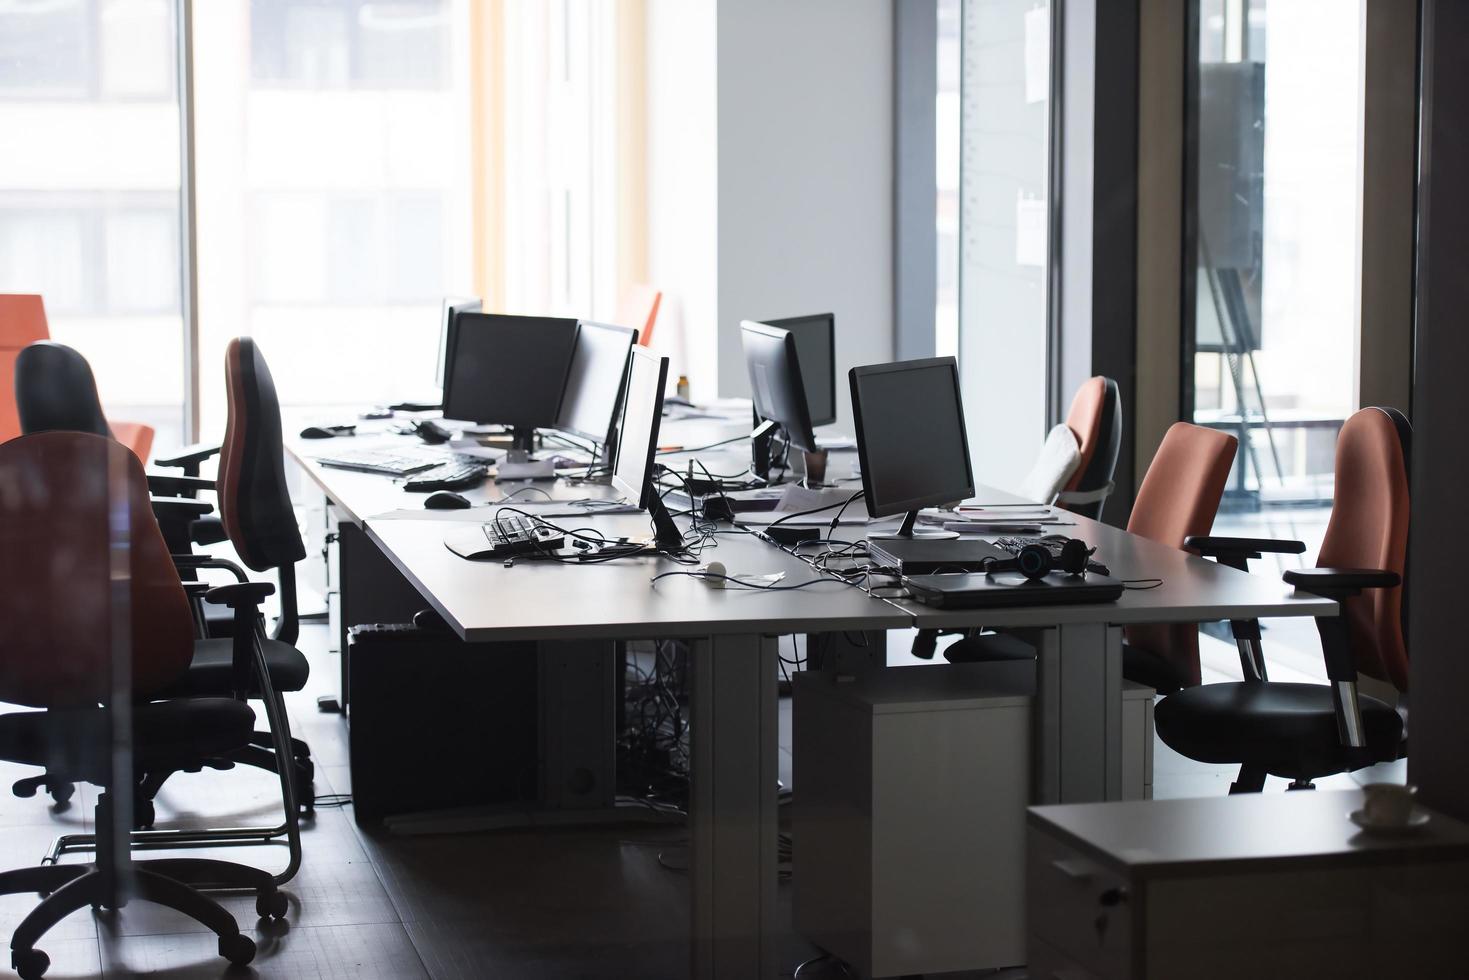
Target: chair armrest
(188, 458)
(1339, 583)
(1237, 552)
(164, 485)
(240, 594)
(192, 561)
(180, 508)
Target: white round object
(714, 570)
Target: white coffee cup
(1387, 804)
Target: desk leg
(1079, 714)
(732, 820)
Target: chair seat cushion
(211, 674)
(1286, 729)
(76, 740)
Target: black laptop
(1006, 590)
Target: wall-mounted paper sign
(1030, 231)
(1038, 53)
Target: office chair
(79, 637)
(22, 323)
(1305, 731)
(637, 307)
(1080, 482)
(1178, 500)
(55, 391)
(1095, 419)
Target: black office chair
(1305, 731)
(55, 390)
(82, 515)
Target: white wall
(682, 186)
(770, 175)
(806, 174)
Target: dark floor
(558, 904)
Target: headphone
(1035, 561)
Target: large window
(1004, 179)
(1275, 167)
(89, 191)
(333, 175)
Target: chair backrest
(254, 502)
(1369, 529)
(74, 511)
(638, 308)
(55, 391)
(1095, 419)
(22, 323)
(1179, 497)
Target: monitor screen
(507, 370)
(642, 410)
(589, 402)
(816, 349)
(911, 439)
(452, 307)
(775, 380)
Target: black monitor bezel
(452, 346)
(879, 509)
(449, 309)
(805, 435)
(831, 357)
(639, 495)
(603, 437)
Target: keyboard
(397, 462)
(507, 536)
(448, 476)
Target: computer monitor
(507, 370)
(776, 383)
(911, 440)
(594, 383)
(452, 307)
(642, 411)
(816, 348)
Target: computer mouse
(318, 432)
(446, 500)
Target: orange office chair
(638, 308)
(22, 323)
(1178, 499)
(83, 523)
(1305, 731)
(1095, 419)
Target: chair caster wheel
(143, 814)
(272, 905)
(61, 793)
(30, 964)
(239, 949)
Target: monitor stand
(666, 534)
(908, 532)
(522, 443)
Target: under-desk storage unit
(909, 801)
(1258, 885)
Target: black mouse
(317, 432)
(446, 500)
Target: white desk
(733, 634)
(1078, 708)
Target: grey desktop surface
(618, 600)
(1193, 590)
(1181, 836)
